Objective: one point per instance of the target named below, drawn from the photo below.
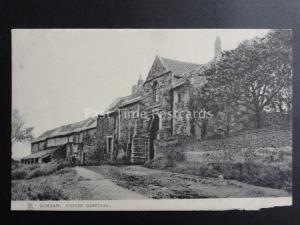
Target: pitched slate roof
(199, 70)
(70, 128)
(179, 68)
(123, 101)
(131, 101)
(116, 103)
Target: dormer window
(155, 91)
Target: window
(179, 97)
(155, 91)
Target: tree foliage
(19, 132)
(249, 80)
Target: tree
(19, 132)
(200, 101)
(253, 76)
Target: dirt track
(137, 182)
(101, 188)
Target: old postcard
(136, 119)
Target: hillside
(260, 157)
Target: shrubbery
(251, 173)
(44, 190)
(172, 154)
(22, 171)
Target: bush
(257, 174)
(251, 173)
(23, 171)
(20, 171)
(36, 190)
(18, 174)
(172, 154)
(48, 192)
(47, 168)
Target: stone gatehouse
(133, 125)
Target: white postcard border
(215, 204)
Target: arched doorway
(154, 127)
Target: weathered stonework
(106, 127)
(141, 123)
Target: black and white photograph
(150, 119)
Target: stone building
(156, 111)
(73, 142)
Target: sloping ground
(258, 157)
(102, 188)
(60, 185)
(130, 182)
(70, 184)
(167, 185)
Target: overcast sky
(57, 74)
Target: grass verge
(251, 173)
(23, 171)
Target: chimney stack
(137, 87)
(140, 81)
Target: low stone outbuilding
(75, 142)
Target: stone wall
(91, 156)
(267, 137)
(106, 126)
(131, 133)
(89, 153)
(164, 103)
(89, 137)
(181, 113)
(127, 127)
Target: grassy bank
(159, 184)
(251, 173)
(43, 187)
(49, 181)
(23, 171)
(256, 161)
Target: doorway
(109, 146)
(83, 158)
(154, 127)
